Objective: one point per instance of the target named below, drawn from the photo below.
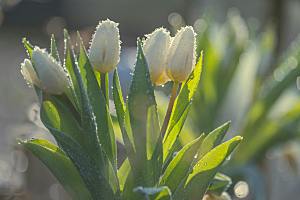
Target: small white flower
(45, 72)
(29, 73)
(181, 58)
(156, 48)
(104, 53)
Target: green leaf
(140, 99)
(53, 49)
(213, 139)
(60, 165)
(179, 167)
(70, 93)
(274, 131)
(88, 120)
(159, 193)
(129, 186)
(59, 116)
(181, 104)
(123, 173)
(286, 74)
(154, 146)
(118, 97)
(96, 119)
(170, 142)
(104, 84)
(123, 117)
(206, 168)
(69, 63)
(88, 168)
(29, 47)
(153, 130)
(99, 158)
(99, 107)
(219, 184)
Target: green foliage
(61, 167)
(85, 160)
(245, 82)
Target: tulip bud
(104, 53)
(46, 74)
(29, 73)
(156, 48)
(181, 58)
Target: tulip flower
(45, 72)
(181, 58)
(29, 73)
(156, 48)
(104, 53)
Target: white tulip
(29, 73)
(181, 58)
(104, 53)
(156, 48)
(45, 72)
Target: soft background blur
(24, 177)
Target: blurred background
(274, 23)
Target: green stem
(170, 107)
(104, 77)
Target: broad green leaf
(219, 184)
(213, 139)
(159, 193)
(206, 168)
(59, 116)
(98, 104)
(179, 167)
(140, 98)
(181, 104)
(87, 167)
(60, 165)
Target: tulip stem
(105, 86)
(170, 107)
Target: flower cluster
(75, 108)
(168, 58)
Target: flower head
(104, 52)
(156, 48)
(181, 58)
(45, 72)
(29, 73)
